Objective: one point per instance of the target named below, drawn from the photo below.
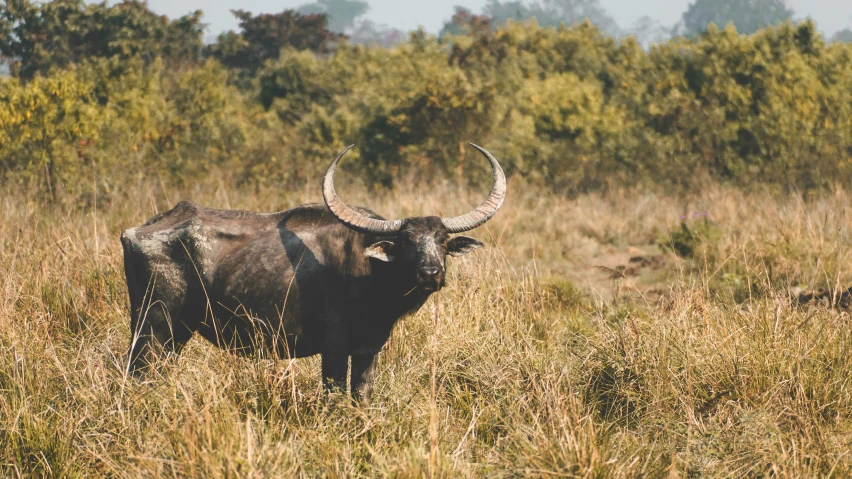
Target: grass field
(556, 355)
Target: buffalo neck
(399, 294)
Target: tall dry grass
(704, 366)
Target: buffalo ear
(462, 245)
(381, 251)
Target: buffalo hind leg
(363, 374)
(334, 369)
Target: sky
(830, 15)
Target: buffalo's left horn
(488, 208)
(349, 216)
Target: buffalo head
(420, 245)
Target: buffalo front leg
(363, 374)
(155, 333)
(149, 334)
(160, 321)
(334, 369)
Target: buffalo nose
(427, 272)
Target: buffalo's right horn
(488, 208)
(349, 216)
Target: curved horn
(488, 208)
(349, 216)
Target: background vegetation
(118, 93)
(664, 293)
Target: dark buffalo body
(317, 279)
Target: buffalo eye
(382, 251)
(462, 245)
(407, 239)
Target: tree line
(121, 94)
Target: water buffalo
(317, 279)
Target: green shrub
(688, 240)
(46, 126)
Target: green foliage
(119, 121)
(59, 33)
(402, 106)
(263, 36)
(748, 15)
(46, 126)
(689, 240)
(567, 108)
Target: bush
(127, 122)
(46, 128)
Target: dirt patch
(823, 298)
(635, 271)
(657, 262)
